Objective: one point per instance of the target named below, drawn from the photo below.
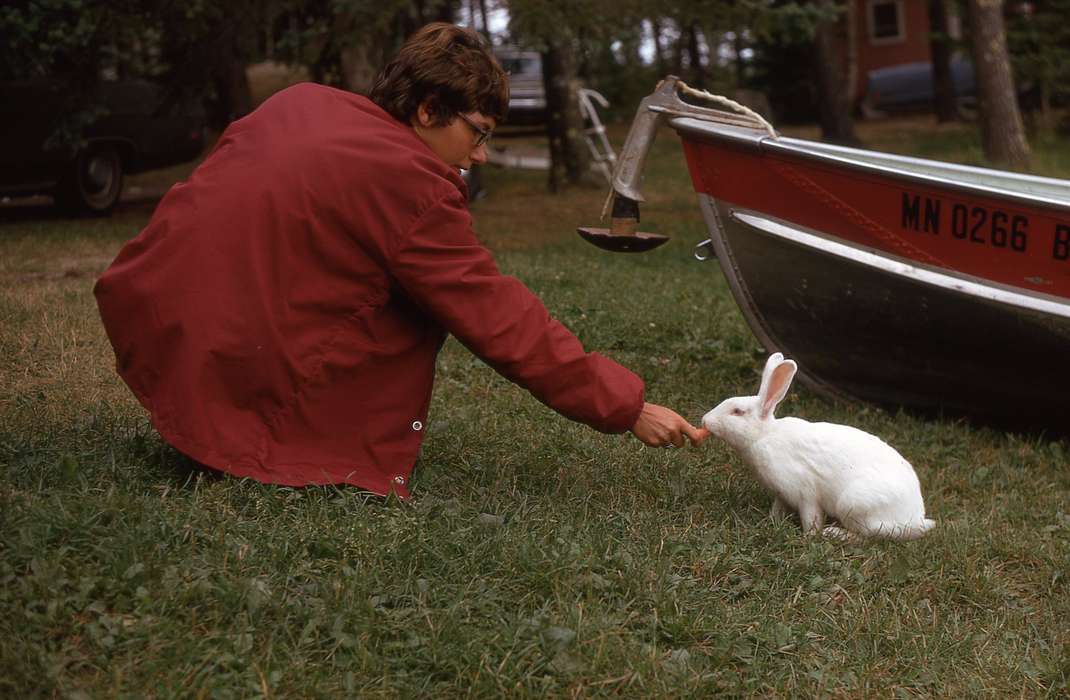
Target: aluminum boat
(893, 280)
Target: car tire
(868, 112)
(94, 182)
(967, 106)
(473, 177)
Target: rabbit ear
(777, 387)
(771, 364)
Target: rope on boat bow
(723, 116)
(730, 104)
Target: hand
(660, 427)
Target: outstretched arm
(660, 427)
(445, 270)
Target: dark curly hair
(449, 65)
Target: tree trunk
(363, 53)
(833, 94)
(445, 11)
(851, 54)
(483, 14)
(360, 65)
(631, 50)
(1002, 130)
(659, 47)
(695, 71)
(569, 159)
(945, 101)
(233, 98)
(1045, 118)
(739, 64)
(241, 97)
(676, 61)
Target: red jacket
(280, 315)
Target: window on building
(885, 19)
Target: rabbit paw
(811, 518)
(838, 533)
(779, 510)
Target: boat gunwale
(764, 144)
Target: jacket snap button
(417, 425)
(399, 480)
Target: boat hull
(897, 325)
(863, 327)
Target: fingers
(676, 439)
(685, 430)
(696, 435)
(661, 437)
(662, 427)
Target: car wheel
(473, 177)
(868, 111)
(94, 182)
(967, 106)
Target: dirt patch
(68, 269)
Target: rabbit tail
(911, 531)
(882, 531)
(924, 526)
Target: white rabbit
(821, 469)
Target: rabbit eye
(737, 411)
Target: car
(473, 177)
(908, 87)
(527, 103)
(527, 97)
(79, 150)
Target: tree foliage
(621, 47)
(1039, 44)
(783, 39)
(69, 37)
(194, 45)
(189, 46)
(345, 42)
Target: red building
(890, 32)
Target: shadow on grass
(184, 473)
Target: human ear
(426, 116)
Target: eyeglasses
(482, 135)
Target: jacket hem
(294, 474)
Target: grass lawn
(537, 557)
